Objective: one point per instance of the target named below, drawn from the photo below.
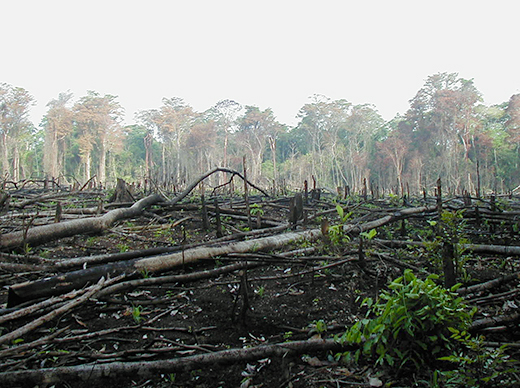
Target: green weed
(475, 366)
(260, 291)
(256, 210)
(410, 323)
(137, 313)
(123, 247)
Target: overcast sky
(266, 53)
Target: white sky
(268, 53)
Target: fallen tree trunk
(40, 234)
(475, 248)
(480, 324)
(147, 369)
(55, 313)
(57, 285)
(489, 284)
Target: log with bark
(40, 234)
(147, 369)
(19, 332)
(156, 264)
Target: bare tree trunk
(102, 169)
(148, 142)
(272, 144)
(16, 163)
(87, 167)
(5, 159)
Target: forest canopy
(446, 132)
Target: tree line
(446, 132)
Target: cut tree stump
(122, 193)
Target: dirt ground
(288, 300)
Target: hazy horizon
(271, 54)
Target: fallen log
(475, 248)
(78, 262)
(480, 324)
(57, 285)
(489, 284)
(147, 369)
(45, 233)
(55, 313)
(184, 278)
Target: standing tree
(225, 114)
(174, 121)
(58, 124)
(273, 133)
(395, 147)
(148, 119)
(254, 129)
(313, 126)
(513, 118)
(15, 127)
(442, 118)
(201, 142)
(362, 127)
(98, 120)
(342, 137)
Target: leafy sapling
(409, 324)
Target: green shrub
(474, 365)
(410, 325)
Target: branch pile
(127, 309)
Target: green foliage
(170, 378)
(343, 217)
(137, 314)
(123, 247)
(474, 365)
(452, 225)
(303, 243)
(319, 327)
(451, 228)
(256, 209)
(394, 199)
(410, 325)
(91, 241)
(369, 235)
(45, 254)
(336, 232)
(337, 235)
(287, 335)
(27, 249)
(260, 291)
